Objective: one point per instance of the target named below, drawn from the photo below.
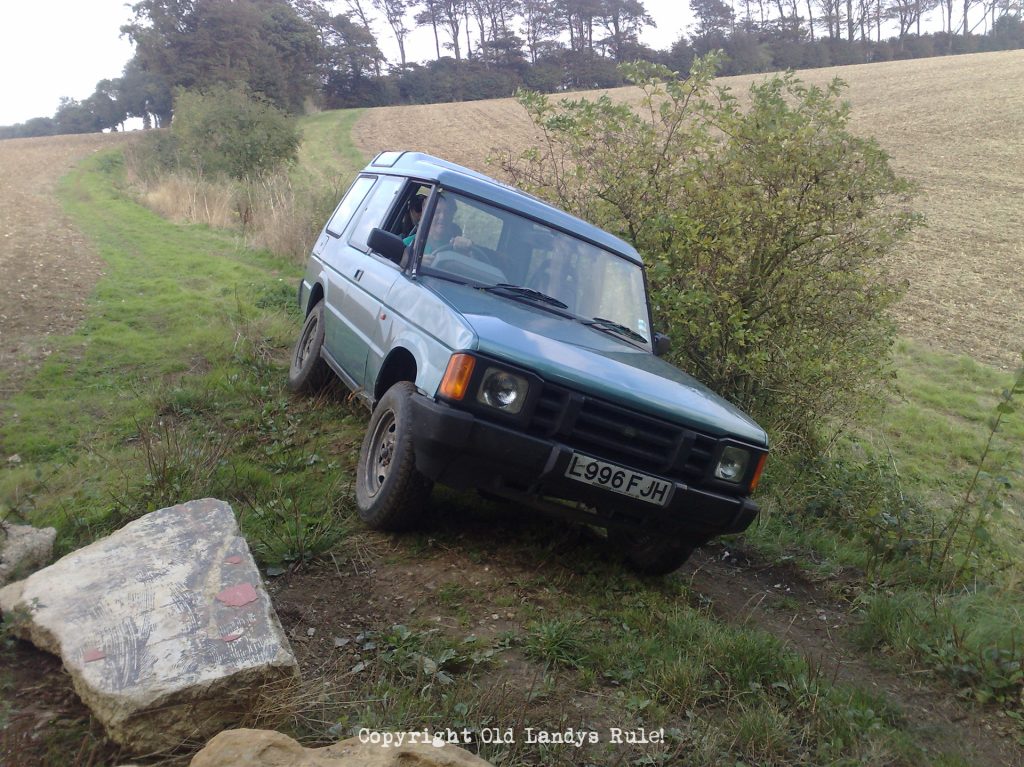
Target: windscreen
(484, 245)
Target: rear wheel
(309, 373)
(390, 493)
(653, 554)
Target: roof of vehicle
(474, 184)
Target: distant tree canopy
(296, 53)
(263, 45)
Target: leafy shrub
(224, 131)
(766, 231)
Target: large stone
(263, 748)
(23, 548)
(165, 626)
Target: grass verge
(172, 389)
(879, 515)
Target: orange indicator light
(757, 472)
(455, 382)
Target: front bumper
(458, 449)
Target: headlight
(503, 391)
(732, 466)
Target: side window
(405, 218)
(356, 194)
(375, 210)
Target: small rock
(23, 548)
(310, 631)
(263, 748)
(162, 640)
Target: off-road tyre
(651, 554)
(309, 372)
(390, 493)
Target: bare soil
(954, 125)
(816, 624)
(47, 269)
(386, 584)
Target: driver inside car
(444, 233)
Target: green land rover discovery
(507, 346)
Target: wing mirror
(662, 344)
(387, 244)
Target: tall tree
(831, 16)
(578, 17)
(357, 11)
(395, 13)
(715, 19)
(623, 20)
(354, 59)
(907, 13)
(968, 4)
(539, 24)
(450, 15)
(145, 95)
(107, 105)
(262, 44)
(431, 15)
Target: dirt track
(46, 267)
(382, 590)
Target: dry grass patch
(954, 125)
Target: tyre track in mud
(782, 602)
(47, 267)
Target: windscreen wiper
(519, 291)
(603, 324)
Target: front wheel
(390, 493)
(309, 373)
(652, 554)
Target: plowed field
(955, 125)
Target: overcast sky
(54, 48)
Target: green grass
(878, 509)
(327, 157)
(173, 388)
(939, 422)
(622, 652)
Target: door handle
(358, 275)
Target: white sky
(54, 48)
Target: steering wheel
(473, 251)
(485, 270)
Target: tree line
(299, 55)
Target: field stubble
(954, 125)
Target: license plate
(619, 479)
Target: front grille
(618, 434)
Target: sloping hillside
(955, 125)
